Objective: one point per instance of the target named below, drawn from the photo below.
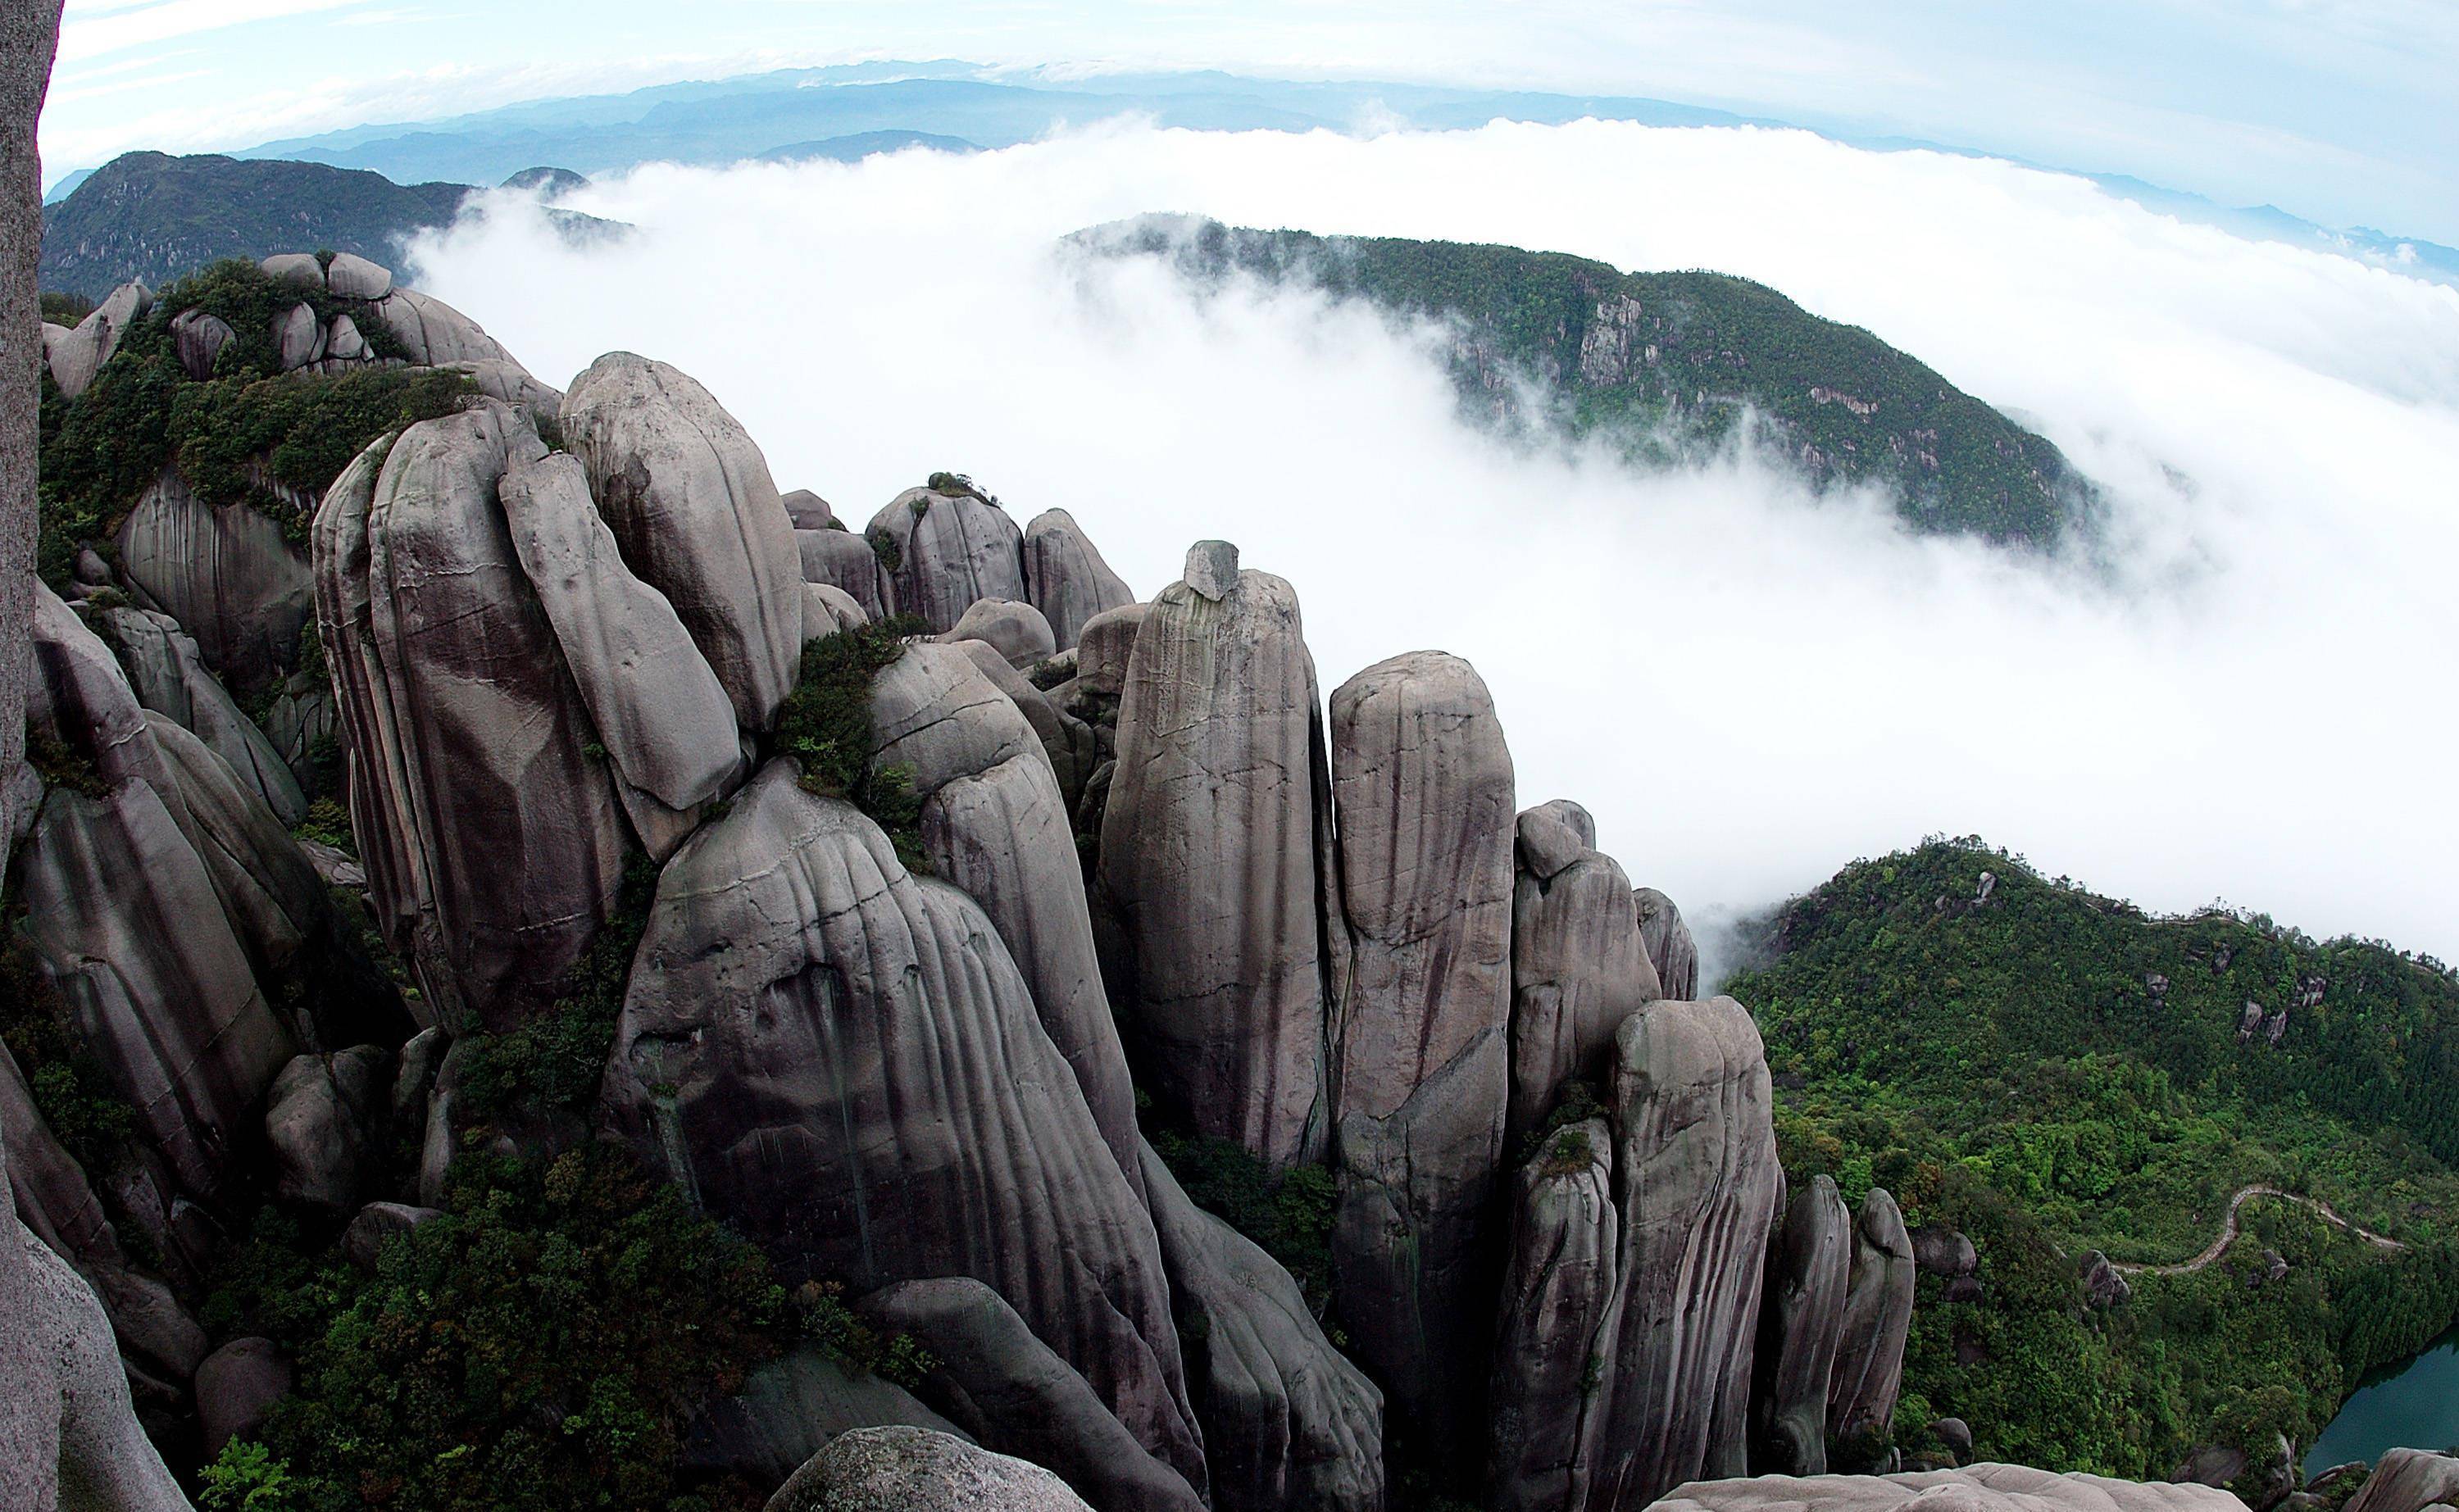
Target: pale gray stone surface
(1579, 966)
(951, 551)
(167, 672)
(2408, 1480)
(1103, 649)
(226, 573)
(327, 1122)
(78, 355)
(1560, 1287)
(1974, 1488)
(1066, 578)
(1016, 630)
(1422, 784)
(845, 1063)
(353, 276)
(1870, 1350)
(849, 564)
(690, 500)
(1210, 868)
(1801, 1316)
(1671, 949)
(791, 1408)
(900, 1469)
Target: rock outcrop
(1870, 1346)
(237, 1387)
(849, 564)
(1066, 578)
(1974, 1488)
(226, 573)
(1010, 1392)
(1211, 862)
(2408, 1480)
(1802, 1318)
(1695, 1179)
(691, 503)
(493, 836)
(1579, 965)
(1288, 1420)
(75, 356)
(168, 675)
(327, 1124)
(1561, 1287)
(1422, 783)
(1667, 941)
(1017, 631)
(948, 548)
(994, 823)
(917, 1470)
(791, 1408)
(845, 1063)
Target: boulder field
(935, 888)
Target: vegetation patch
(825, 725)
(1288, 1213)
(2053, 1072)
(74, 1095)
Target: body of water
(2411, 1406)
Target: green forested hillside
(1669, 364)
(2053, 1073)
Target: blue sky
(2341, 111)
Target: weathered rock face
(493, 838)
(1696, 1180)
(327, 1125)
(1422, 783)
(168, 675)
(197, 340)
(224, 573)
(951, 551)
(1579, 966)
(353, 276)
(1670, 949)
(844, 1061)
(434, 334)
(363, 1242)
(77, 355)
(1801, 1316)
(2104, 1285)
(1017, 631)
(1940, 1250)
(1870, 1348)
(994, 823)
(791, 1408)
(1211, 866)
(916, 1470)
(1009, 1393)
(1072, 745)
(1974, 1488)
(827, 609)
(1561, 1287)
(237, 1387)
(1066, 578)
(698, 519)
(1288, 1420)
(1103, 649)
(849, 564)
(659, 710)
(2408, 1480)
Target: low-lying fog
(1747, 686)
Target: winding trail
(2228, 1233)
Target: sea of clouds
(2249, 696)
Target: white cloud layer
(1747, 688)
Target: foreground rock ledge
(1975, 1488)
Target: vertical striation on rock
(226, 573)
(849, 564)
(1561, 1291)
(698, 519)
(946, 551)
(1422, 785)
(1801, 1316)
(1695, 1179)
(845, 1063)
(1870, 1352)
(1210, 863)
(994, 823)
(1670, 949)
(1579, 966)
(168, 674)
(491, 835)
(1066, 578)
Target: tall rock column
(1422, 785)
(1801, 1317)
(1066, 578)
(1870, 1352)
(1560, 1295)
(28, 34)
(1695, 1178)
(1579, 962)
(1210, 862)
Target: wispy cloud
(96, 27)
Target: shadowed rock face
(1066, 578)
(1010, 1392)
(1801, 1314)
(1210, 867)
(1670, 949)
(791, 1408)
(1422, 783)
(1288, 1420)
(493, 837)
(690, 500)
(917, 1470)
(843, 1062)
(224, 573)
(1560, 1289)
(951, 551)
(1579, 966)
(994, 823)
(167, 673)
(1695, 1179)
(1870, 1348)
(1974, 1488)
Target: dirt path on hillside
(2228, 1233)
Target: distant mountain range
(1667, 367)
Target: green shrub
(555, 1062)
(1288, 1213)
(825, 725)
(61, 308)
(76, 1097)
